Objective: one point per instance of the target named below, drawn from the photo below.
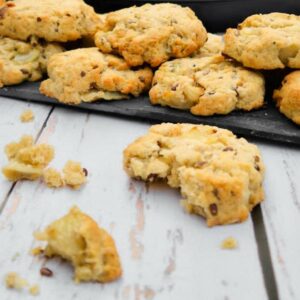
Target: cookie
(151, 33)
(26, 160)
(287, 97)
(87, 75)
(24, 61)
(267, 41)
(206, 86)
(53, 178)
(214, 45)
(220, 176)
(77, 238)
(67, 20)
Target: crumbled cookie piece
(53, 178)
(67, 21)
(229, 243)
(27, 161)
(14, 281)
(220, 176)
(37, 251)
(287, 97)
(151, 33)
(27, 116)
(34, 290)
(87, 75)
(24, 61)
(77, 238)
(207, 85)
(265, 41)
(74, 175)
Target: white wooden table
(166, 254)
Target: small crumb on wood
(74, 174)
(34, 290)
(37, 251)
(27, 116)
(46, 272)
(53, 178)
(14, 281)
(229, 243)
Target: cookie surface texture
(67, 20)
(288, 97)
(214, 45)
(151, 33)
(77, 238)
(220, 176)
(269, 41)
(207, 86)
(24, 61)
(86, 75)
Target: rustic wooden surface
(166, 254)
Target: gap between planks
(13, 185)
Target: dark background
(217, 15)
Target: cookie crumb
(27, 116)
(229, 243)
(14, 281)
(53, 178)
(34, 290)
(26, 160)
(74, 174)
(37, 251)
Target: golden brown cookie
(213, 46)
(267, 41)
(77, 238)
(87, 75)
(21, 61)
(220, 176)
(151, 33)
(67, 20)
(287, 97)
(206, 86)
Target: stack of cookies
(31, 32)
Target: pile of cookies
(162, 49)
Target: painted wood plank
(11, 129)
(281, 212)
(166, 254)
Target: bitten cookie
(214, 45)
(267, 41)
(151, 33)
(207, 86)
(219, 175)
(77, 238)
(65, 21)
(21, 61)
(287, 97)
(87, 75)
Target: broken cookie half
(77, 238)
(220, 176)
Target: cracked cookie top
(65, 21)
(151, 33)
(206, 86)
(267, 41)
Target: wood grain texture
(11, 129)
(166, 254)
(281, 212)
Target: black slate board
(266, 123)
